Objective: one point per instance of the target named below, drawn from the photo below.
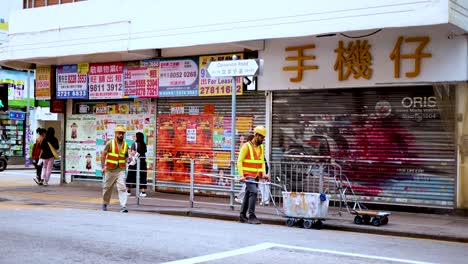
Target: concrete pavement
(88, 195)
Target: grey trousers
(250, 198)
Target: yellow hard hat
(120, 129)
(260, 130)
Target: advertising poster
(43, 78)
(141, 82)
(81, 128)
(182, 165)
(16, 82)
(71, 84)
(204, 127)
(106, 80)
(216, 86)
(165, 165)
(165, 131)
(222, 166)
(203, 167)
(72, 165)
(178, 77)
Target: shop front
(13, 107)
(183, 113)
(381, 105)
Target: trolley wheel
(318, 224)
(307, 224)
(290, 222)
(358, 220)
(375, 221)
(384, 220)
(366, 219)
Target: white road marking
(264, 246)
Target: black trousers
(38, 169)
(250, 199)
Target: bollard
(137, 187)
(231, 196)
(192, 180)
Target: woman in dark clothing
(47, 156)
(138, 150)
(36, 154)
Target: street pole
(27, 118)
(233, 136)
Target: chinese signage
(43, 78)
(178, 77)
(141, 82)
(106, 80)
(70, 83)
(386, 57)
(212, 86)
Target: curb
(337, 225)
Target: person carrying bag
(49, 146)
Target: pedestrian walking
(251, 167)
(36, 155)
(49, 148)
(137, 152)
(113, 163)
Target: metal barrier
(311, 177)
(291, 176)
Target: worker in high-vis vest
(113, 162)
(251, 167)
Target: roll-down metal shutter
(250, 112)
(395, 145)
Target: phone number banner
(71, 84)
(106, 80)
(178, 77)
(141, 82)
(43, 76)
(215, 86)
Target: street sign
(17, 115)
(233, 68)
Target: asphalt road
(50, 233)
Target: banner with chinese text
(43, 79)
(70, 83)
(178, 77)
(141, 82)
(214, 86)
(106, 80)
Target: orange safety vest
(253, 162)
(116, 158)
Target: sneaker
(104, 207)
(254, 220)
(143, 194)
(128, 193)
(38, 182)
(243, 219)
(238, 200)
(124, 210)
(45, 183)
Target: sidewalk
(88, 195)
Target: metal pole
(137, 187)
(233, 135)
(192, 180)
(28, 118)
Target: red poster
(204, 127)
(203, 167)
(180, 137)
(165, 165)
(165, 131)
(182, 166)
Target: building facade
(378, 87)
